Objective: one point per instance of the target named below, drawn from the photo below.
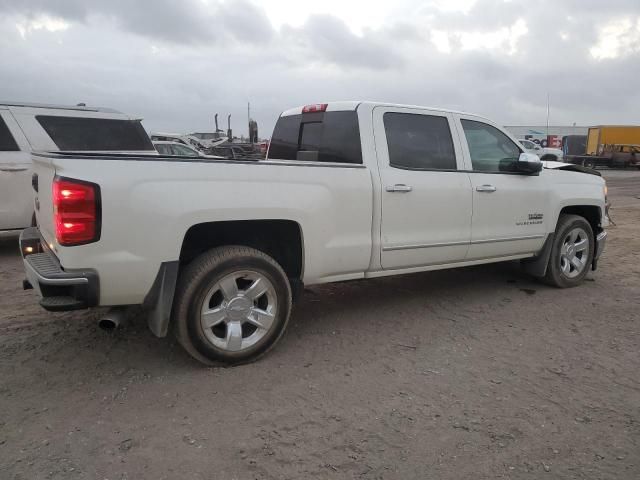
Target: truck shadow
(9, 247)
(414, 302)
(398, 302)
(486, 283)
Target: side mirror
(528, 163)
(538, 147)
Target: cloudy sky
(175, 63)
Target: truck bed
(153, 200)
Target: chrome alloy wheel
(574, 253)
(238, 310)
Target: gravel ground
(472, 373)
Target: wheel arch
(537, 266)
(280, 239)
(591, 213)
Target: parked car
(545, 153)
(210, 139)
(229, 151)
(25, 127)
(177, 149)
(350, 190)
(189, 140)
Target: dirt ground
(473, 373)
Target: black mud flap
(537, 266)
(159, 300)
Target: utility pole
(548, 115)
(249, 117)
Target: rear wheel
(572, 252)
(232, 305)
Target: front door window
(490, 149)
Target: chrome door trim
(508, 239)
(453, 244)
(430, 245)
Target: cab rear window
(318, 137)
(95, 134)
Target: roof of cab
(353, 105)
(82, 108)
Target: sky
(176, 63)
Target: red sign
(554, 141)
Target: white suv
(25, 127)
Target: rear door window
(318, 136)
(419, 142)
(97, 134)
(7, 142)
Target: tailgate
(43, 174)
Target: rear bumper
(10, 233)
(59, 290)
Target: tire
(232, 305)
(572, 252)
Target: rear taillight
(316, 107)
(76, 211)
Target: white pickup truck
(217, 249)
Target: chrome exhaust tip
(113, 319)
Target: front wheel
(232, 305)
(572, 252)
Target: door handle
(399, 188)
(486, 188)
(19, 169)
